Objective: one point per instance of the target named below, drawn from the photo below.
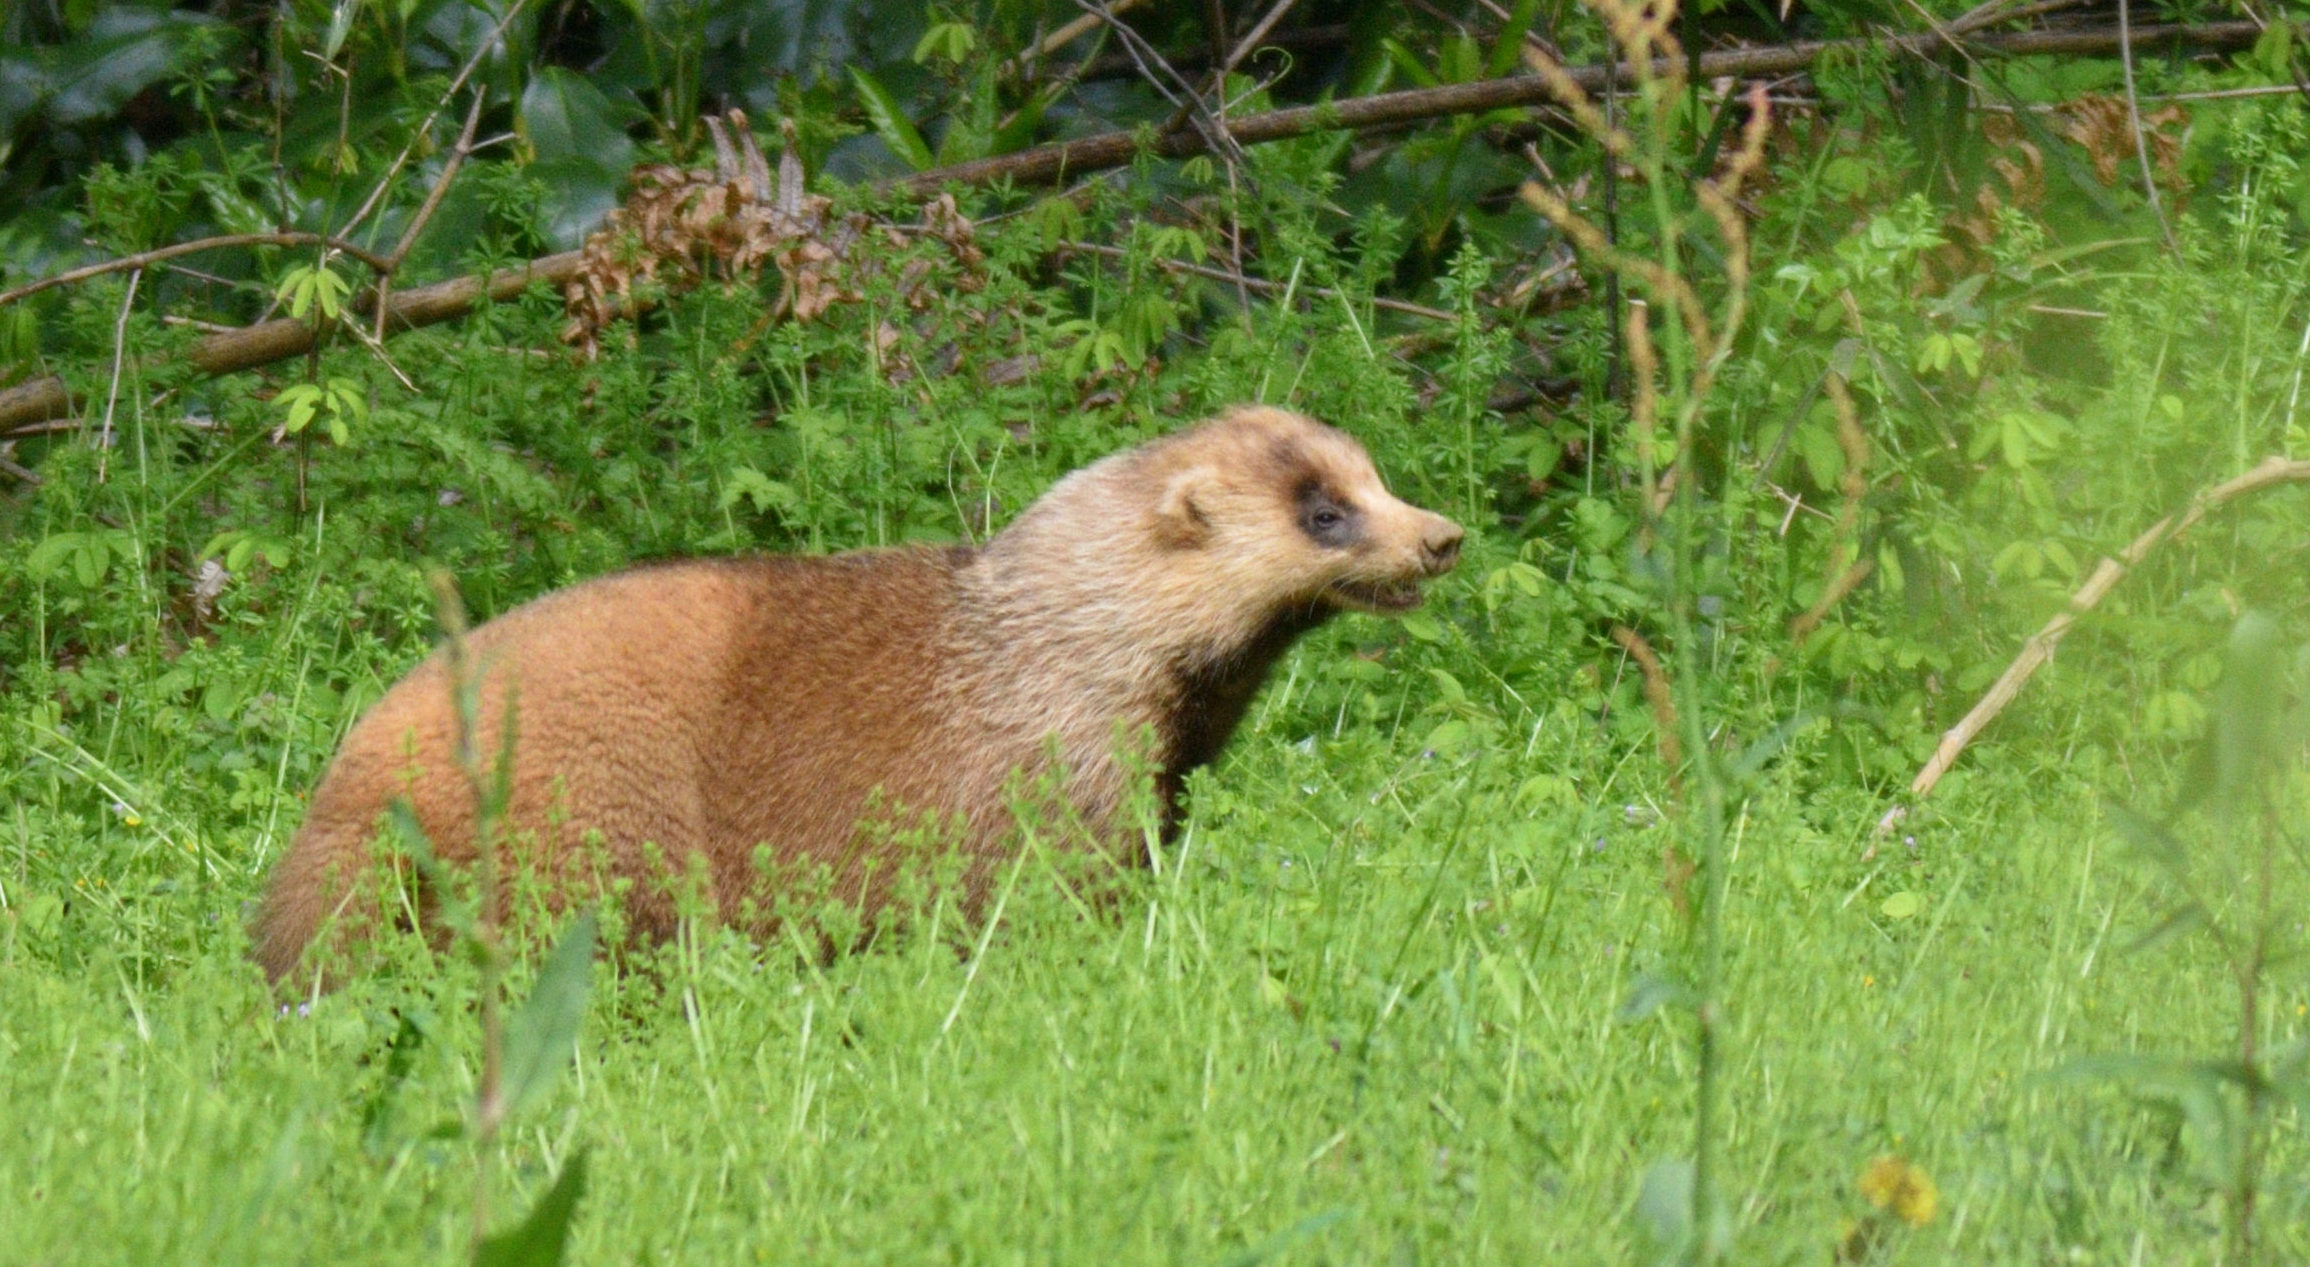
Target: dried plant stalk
(2273, 472)
(1843, 574)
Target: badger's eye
(1327, 519)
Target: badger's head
(1290, 517)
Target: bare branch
(1045, 164)
(2273, 472)
(425, 129)
(1260, 284)
(425, 212)
(2134, 122)
(146, 259)
(282, 338)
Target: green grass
(1368, 1015)
(1373, 1009)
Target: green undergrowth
(1369, 1014)
(1395, 997)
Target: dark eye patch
(1328, 520)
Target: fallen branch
(271, 341)
(2035, 652)
(278, 340)
(1046, 164)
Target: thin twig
(2273, 472)
(1996, 11)
(1217, 81)
(2134, 121)
(146, 259)
(425, 129)
(1044, 164)
(112, 394)
(1260, 284)
(1155, 71)
(425, 210)
(26, 474)
(1068, 34)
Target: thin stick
(1068, 34)
(2273, 472)
(1260, 284)
(426, 209)
(112, 394)
(1227, 63)
(146, 259)
(1155, 71)
(425, 129)
(2134, 121)
(1045, 164)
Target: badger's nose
(1440, 546)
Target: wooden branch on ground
(1045, 164)
(278, 340)
(2272, 472)
(271, 341)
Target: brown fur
(705, 710)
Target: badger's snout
(1440, 545)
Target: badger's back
(692, 709)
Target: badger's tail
(317, 882)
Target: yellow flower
(1896, 1185)
(1868, 981)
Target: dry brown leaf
(680, 226)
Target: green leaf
(950, 40)
(46, 557)
(2247, 707)
(2148, 838)
(1902, 905)
(1274, 1246)
(1423, 626)
(750, 485)
(340, 26)
(1405, 60)
(564, 116)
(890, 122)
(1664, 1202)
(543, 1237)
(577, 136)
(125, 50)
(2177, 923)
(221, 700)
(89, 562)
(540, 1037)
(1448, 686)
(301, 401)
(1651, 993)
(1510, 41)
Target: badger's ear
(1179, 520)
